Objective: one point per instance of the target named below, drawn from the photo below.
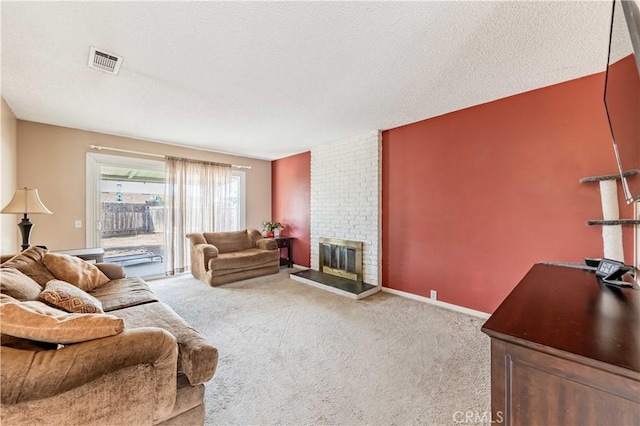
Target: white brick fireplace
(346, 198)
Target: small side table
(96, 254)
(286, 243)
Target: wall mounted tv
(622, 92)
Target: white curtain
(197, 199)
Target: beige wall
(52, 159)
(10, 243)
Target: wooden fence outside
(121, 219)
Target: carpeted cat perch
(611, 223)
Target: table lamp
(25, 201)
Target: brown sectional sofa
(222, 257)
(153, 372)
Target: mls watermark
(470, 417)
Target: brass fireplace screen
(342, 258)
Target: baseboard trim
(445, 305)
(304, 268)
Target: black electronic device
(611, 271)
(592, 262)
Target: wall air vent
(104, 61)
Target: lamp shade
(25, 200)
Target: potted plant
(272, 228)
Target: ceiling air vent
(104, 61)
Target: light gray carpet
(296, 355)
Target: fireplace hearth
(340, 269)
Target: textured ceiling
(270, 79)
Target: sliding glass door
(127, 212)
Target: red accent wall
(290, 202)
(473, 198)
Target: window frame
(241, 216)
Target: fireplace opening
(342, 258)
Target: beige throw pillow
(17, 285)
(65, 296)
(29, 262)
(74, 270)
(36, 321)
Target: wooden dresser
(565, 350)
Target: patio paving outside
(133, 244)
(137, 244)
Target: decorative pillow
(36, 321)
(65, 296)
(17, 285)
(29, 262)
(74, 270)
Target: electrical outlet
(434, 294)
(78, 223)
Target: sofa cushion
(17, 285)
(197, 359)
(111, 270)
(227, 242)
(74, 270)
(242, 260)
(29, 262)
(36, 321)
(65, 296)
(187, 397)
(122, 293)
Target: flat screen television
(622, 92)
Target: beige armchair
(222, 257)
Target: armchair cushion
(74, 270)
(242, 260)
(227, 242)
(36, 321)
(17, 285)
